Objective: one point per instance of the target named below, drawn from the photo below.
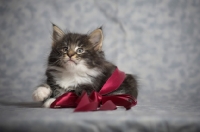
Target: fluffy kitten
(77, 63)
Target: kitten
(77, 63)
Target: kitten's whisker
(57, 52)
(56, 57)
(54, 63)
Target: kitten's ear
(96, 38)
(57, 33)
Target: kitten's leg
(129, 86)
(55, 93)
(59, 91)
(42, 92)
(48, 102)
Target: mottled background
(158, 40)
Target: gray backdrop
(159, 41)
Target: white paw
(41, 93)
(48, 102)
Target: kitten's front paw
(41, 93)
(48, 102)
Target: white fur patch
(41, 93)
(74, 75)
(48, 102)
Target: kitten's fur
(77, 63)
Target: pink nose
(71, 53)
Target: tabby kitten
(77, 63)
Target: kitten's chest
(67, 80)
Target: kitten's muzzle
(70, 60)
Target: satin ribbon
(98, 100)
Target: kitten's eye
(79, 50)
(65, 49)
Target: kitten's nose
(71, 53)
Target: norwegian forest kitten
(77, 63)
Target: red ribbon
(98, 100)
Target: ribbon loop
(96, 97)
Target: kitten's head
(70, 50)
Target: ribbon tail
(108, 105)
(121, 100)
(89, 107)
(85, 104)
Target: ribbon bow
(98, 100)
